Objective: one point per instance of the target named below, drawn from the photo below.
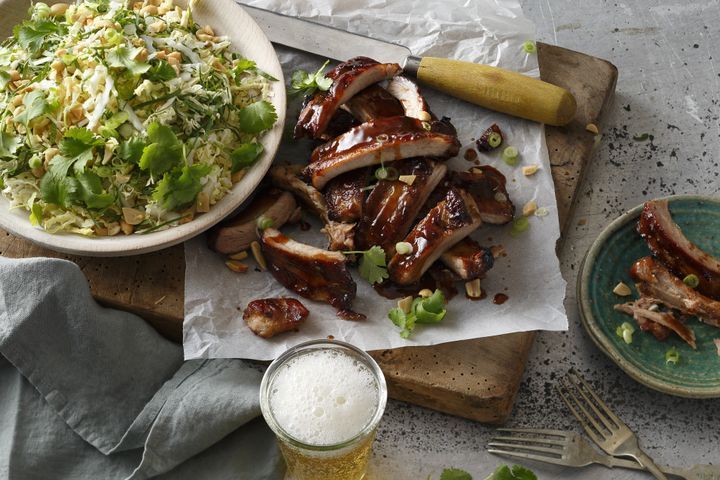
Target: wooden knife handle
(498, 89)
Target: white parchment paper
(484, 31)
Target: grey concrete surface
(669, 63)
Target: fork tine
(530, 448)
(529, 439)
(528, 456)
(538, 431)
(600, 415)
(586, 426)
(602, 404)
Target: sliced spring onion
(520, 225)
(542, 212)
(691, 281)
(264, 222)
(494, 139)
(529, 46)
(510, 156)
(35, 162)
(386, 173)
(672, 356)
(427, 126)
(625, 331)
(403, 248)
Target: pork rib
(374, 102)
(468, 260)
(345, 195)
(287, 177)
(239, 232)
(451, 220)
(392, 206)
(408, 93)
(680, 255)
(268, 317)
(378, 141)
(660, 324)
(314, 273)
(348, 78)
(487, 186)
(656, 281)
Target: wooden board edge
(492, 409)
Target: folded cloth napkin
(93, 393)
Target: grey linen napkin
(92, 393)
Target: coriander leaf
(257, 117)
(455, 474)
(522, 473)
(430, 309)
(31, 35)
(180, 186)
(8, 145)
(158, 133)
(109, 128)
(35, 104)
(372, 265)
(123, 57)
(308, 83)
(4, 80)
(57, 189)
(245, 155)
(243, 65)
(36, 212)
(91, 191)
(131, 150)
(503, 472)
(641, 137)
(164, 151)
(404, 321)
(125, 84)
(160, 71)
(77, 147)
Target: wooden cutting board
(476, 379)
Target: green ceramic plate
(697, 374)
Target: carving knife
(490, 87)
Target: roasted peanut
(132, 216)
(149, 10)
(126, 228)
(113, 229)
(58, 66)
(259, 257)
(157, 27)
(237, 267)
(58, 9)
(174, 58)
(203, 202)
(143, 53)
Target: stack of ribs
(658, 278)
(371, 117)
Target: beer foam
(323, 397)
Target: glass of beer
(324, 400)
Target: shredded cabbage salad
(124, 120)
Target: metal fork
(604, 427)
(572, 450)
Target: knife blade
(490, 87)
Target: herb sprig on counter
(306, 83)
(503, 472)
